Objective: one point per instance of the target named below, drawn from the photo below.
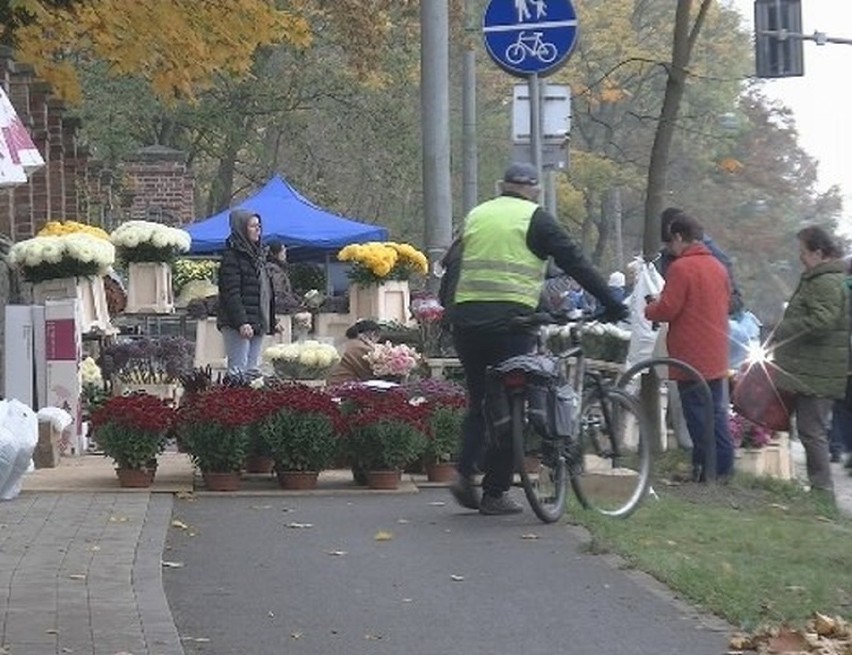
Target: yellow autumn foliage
(179, 46)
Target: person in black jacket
(246, 299)
(503, 251)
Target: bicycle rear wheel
(541, 467)
(610, 460)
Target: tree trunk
(684, 41)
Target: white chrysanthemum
(182, 240)
(32, 254)
(90, 372)
(52, 250)
(308, 357)
(161, 239)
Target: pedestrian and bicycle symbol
(526, 37)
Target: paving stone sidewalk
(82, 573)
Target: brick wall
(152, 184)
(159, 186)
(50, 193)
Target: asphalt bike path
(407, 573)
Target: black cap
(521, 173)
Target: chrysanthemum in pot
(386, 433)
(132, 431)
(214, 426)
(301, 435)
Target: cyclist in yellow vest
(505, 243)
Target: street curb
(158, 627)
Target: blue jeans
(477, 350)
(840, 435)
(692, 401)
(243, 354)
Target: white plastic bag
(643, 336)
(58, 418)
(18, 434)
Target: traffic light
(778, 38)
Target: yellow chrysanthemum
(375, 261)
(61, 228)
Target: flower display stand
(89, 292)
(388, 301)
(209, 345)
(773, 460)
(333, 326)
(149, 288)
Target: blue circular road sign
(526, 37)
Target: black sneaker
(496, 505)
(465, 493)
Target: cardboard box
(47, 451)
(63, 352)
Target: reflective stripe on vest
(496, 265)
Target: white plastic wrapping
(643, 336)
(18, 439)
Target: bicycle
(589, 432)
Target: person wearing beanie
(616, 284)
(246, 298)
(505, 246)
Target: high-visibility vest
(497, 265)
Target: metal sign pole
(535, 123)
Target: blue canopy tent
(308, 231)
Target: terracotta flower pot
(222, 481)
(135, 478)
(297, 479)
(383, 479)
(441, 471)
(259, 464)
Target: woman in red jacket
(694, 303)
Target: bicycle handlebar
(537, 319)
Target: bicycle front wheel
(610, 460)
(541, 466)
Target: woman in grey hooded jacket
(246, 299)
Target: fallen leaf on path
(172, 565)
(373, 637)
(456, 578)
(779, 506)
(185, 495)
(529, 535)
(383, 535)
(296, 525)
(118, 519)
(77, 576)
(180, 525)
